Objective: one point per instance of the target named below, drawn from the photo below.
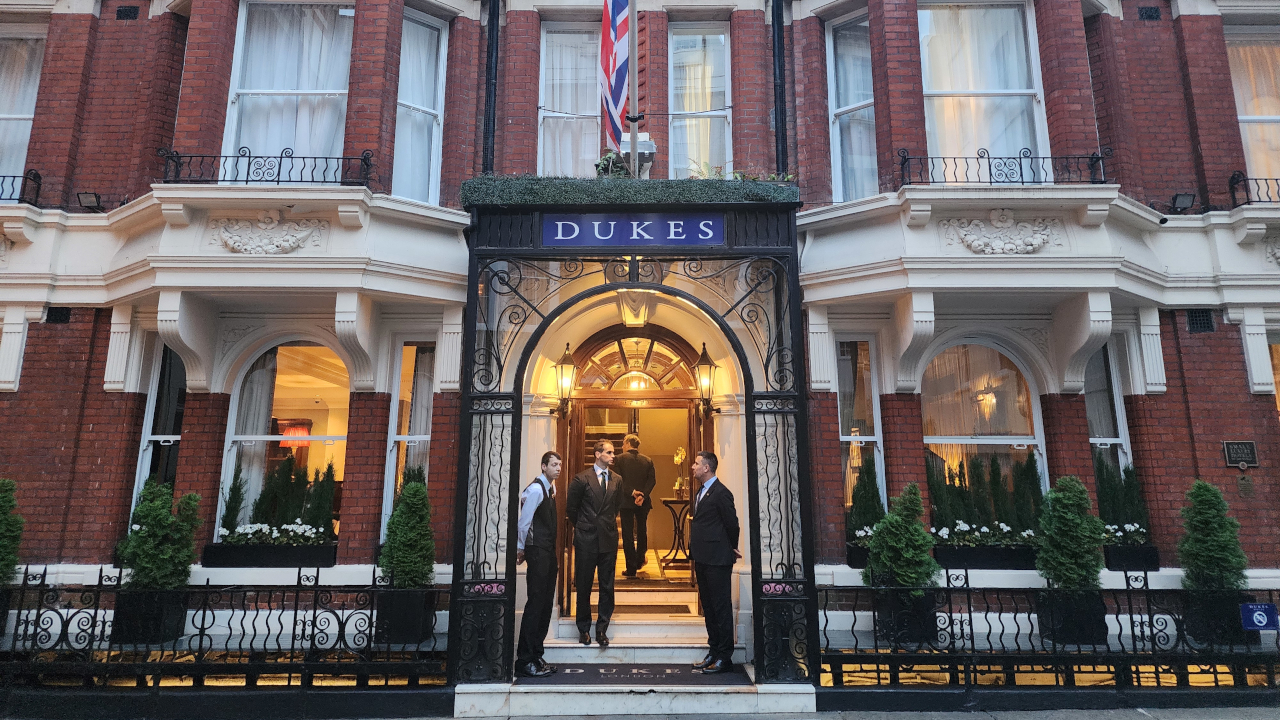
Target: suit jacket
(593, 512)
(713, 531)
(637, 474)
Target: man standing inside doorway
(536, 544)
(713, 546)
(592, 507)
(638, 480)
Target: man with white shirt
(536, 544)
(592, 507)
(713, 547)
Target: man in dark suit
(638, 480)
(713, 546)
(592, 507)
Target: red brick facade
(902, 431)
(1218, 148)
(519, 53)
(204, 434)
(364, 476)
(60, 103)
(1064, 71)
(463, 92)
(651, 46)
(1178, 437)
(206, 77)
(898, 86)
(442, 476)
(751, 63)
(826, 477)
(812, 124)
(1066, 439)
(373, 86)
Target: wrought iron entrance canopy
(748, 287)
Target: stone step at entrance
(506, 700)
(637, 649)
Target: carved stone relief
(268, 235)
(1002, 234)
(232, 334)
(4, 252)
(1272, 249)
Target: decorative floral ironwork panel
(778, 488)
(488, 491)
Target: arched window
(980, 433)
(636, 363)
(292, 408)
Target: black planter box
(1132, 558)
(1072, 618)
(222, 555)
(6, 597)
(1213, 618)
(404, 617)
(855, 556)
(985, 557)
(148, 617)
(904, 620)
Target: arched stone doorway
(524, 304)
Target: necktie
(604, 481)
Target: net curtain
(20, 61)
(253, 417)
(571, 145)
(698, 82)
(1255, 74)
(418, 112)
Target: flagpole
(633, 85)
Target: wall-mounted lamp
(1182, 202)
(706, 374)
(986, 401)
(566, 372)
(90, 201)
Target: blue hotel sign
(632, 229)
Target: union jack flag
(614, 44)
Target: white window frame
(1117, 401)
(233, 440)
(1036, 92)
(876, 439)
(25, 31)
(726, 113)
(437, 150)
(232, 128)
(1036, 442)
(1261, 33)
(152, 380)
(543, 113)
(393, 437)
(835, 113)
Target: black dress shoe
(629, 573)
(719, 666)
(583, 637)
(603, 640)
(530, 669)
(544, 665)
(704, 662)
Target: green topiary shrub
(409, 553)
(1210, 552)
(160, 547)
(523, 190)
(899, 552)
(980, 488)
(10, 531)
(284, 494)
(866, 509)
(1070, 554)
(1120, 500)
(1027, 496)
(319, 510)
(233, 505)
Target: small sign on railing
(1259, 616)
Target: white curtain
(20, 61)
(1255, 75)
(973, 390)
(253, 417)
(302, 48)
(420, 406)
(1099, 401)
(418, 112)
(570, 145)
(980, 49)
(855, 129)
(698, 82)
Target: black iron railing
(284, 168)
(1246, 190)
(21, 188)
(985, 169)
(968, 637)
(301, 634)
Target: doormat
(625, 609)
(641, 675)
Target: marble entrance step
(674, 628)
(507, 700)
(632, 650)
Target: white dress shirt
(530, 499)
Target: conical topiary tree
(409, 554)
(1027, 497)
(10, 531)
(1210, 552)
(981, 492)
(160, 547)
(866, 509)
(1070, 554)
(233, 505)
(899, 552)
(319, 510)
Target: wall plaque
(1240, 453)
(632, 229)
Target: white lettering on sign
(705, 227)
(604, 237)
(560, 230)
(637, 230)
(675, 229)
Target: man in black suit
(713, 546)
(592, 507)
(638, 481)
